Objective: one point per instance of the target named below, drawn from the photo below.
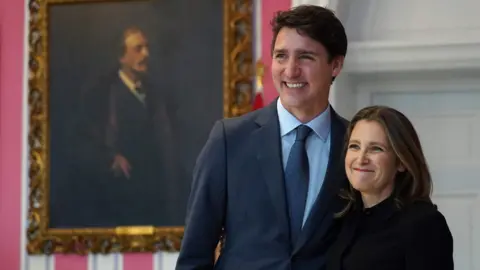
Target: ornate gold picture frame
(52, 92)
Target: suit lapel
(327, 200)
(269, 155)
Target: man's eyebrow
(306, 52)
(279, 51)
(299, 51)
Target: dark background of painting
(186, 47)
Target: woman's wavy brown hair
(415, 183)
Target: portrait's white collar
(128, 82)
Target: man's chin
(292, 100)
(141, 72)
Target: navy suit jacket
(238, 190)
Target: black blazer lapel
(348, 231)
(269, 155)
(328, 200)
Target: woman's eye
(376, 149)
(354, 146)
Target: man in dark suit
(125, 144)
(268, 181)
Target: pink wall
(269, 7)
(11, 102)
(11, 67)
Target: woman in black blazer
(389, 222)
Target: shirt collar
(381, 211)
(128, 82)
(320, 124)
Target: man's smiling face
(301, 70)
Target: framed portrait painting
(122, 97)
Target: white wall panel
(428, 20)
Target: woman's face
(370, 162)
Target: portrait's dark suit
(415, 237)
(114, 121)
(239, 187)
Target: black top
(386, 237)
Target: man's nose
(145, 52)
(292, 70)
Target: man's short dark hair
(316, 22)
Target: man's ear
(337, 65)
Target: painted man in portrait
(124, 152)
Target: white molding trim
(376, 57)
(331, 4)
(24, 181)
(474, 194)
(257, 29)
(473, 221)
(322, 3)
(476, 234)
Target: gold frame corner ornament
(238, 81)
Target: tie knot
(302, 132)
